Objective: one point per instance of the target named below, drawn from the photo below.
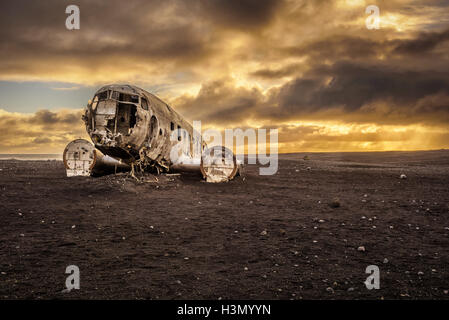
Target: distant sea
(34, 156)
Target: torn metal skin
(134, 126)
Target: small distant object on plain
(402, 176)
(335, 203)
(306, 157)
(309, 168)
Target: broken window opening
(144, 104)
(126, 118)
(179, 133)
(172, 126)
(102, 96)
(124, 97)
(153, 128)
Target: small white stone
(361, 248)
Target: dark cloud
(351, 86)
(344, 91)
(269, 73)
(241, 14)
(220, 102)
(425, 42)
(297, 59)
(46, 117)
(41, 132)
(40, 140)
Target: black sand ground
(181, 238)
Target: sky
(309, 68)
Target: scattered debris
(335, 203)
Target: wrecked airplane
(132, 129)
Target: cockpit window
(123, 97)
(102, 95)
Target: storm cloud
(247, 63)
